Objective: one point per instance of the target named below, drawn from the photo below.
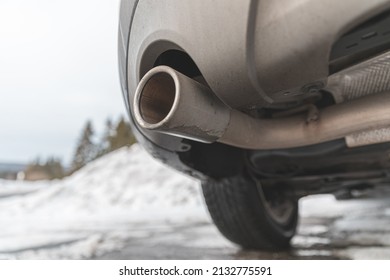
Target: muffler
(172, 103)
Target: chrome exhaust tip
(170, 102)
(156, 99)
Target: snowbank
(102, 201)
(125, 181)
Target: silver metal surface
(368, 137)
(369, 77)
(334, 122)
(197, 114)
(250, 52)
(169, 102)
(127, 9)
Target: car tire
(249, 217)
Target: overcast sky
(58, 68)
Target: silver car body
(251, 53)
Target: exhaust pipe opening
(157, 97)
(170, 102)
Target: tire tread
(235, 207)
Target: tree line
(89, 147)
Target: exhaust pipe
(170, 102)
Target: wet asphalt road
(328, 229)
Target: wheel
(250, 216)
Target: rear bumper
(270, 53)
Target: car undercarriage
(287, 100)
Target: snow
(125, 196)
(11, 188)
(96, 209)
